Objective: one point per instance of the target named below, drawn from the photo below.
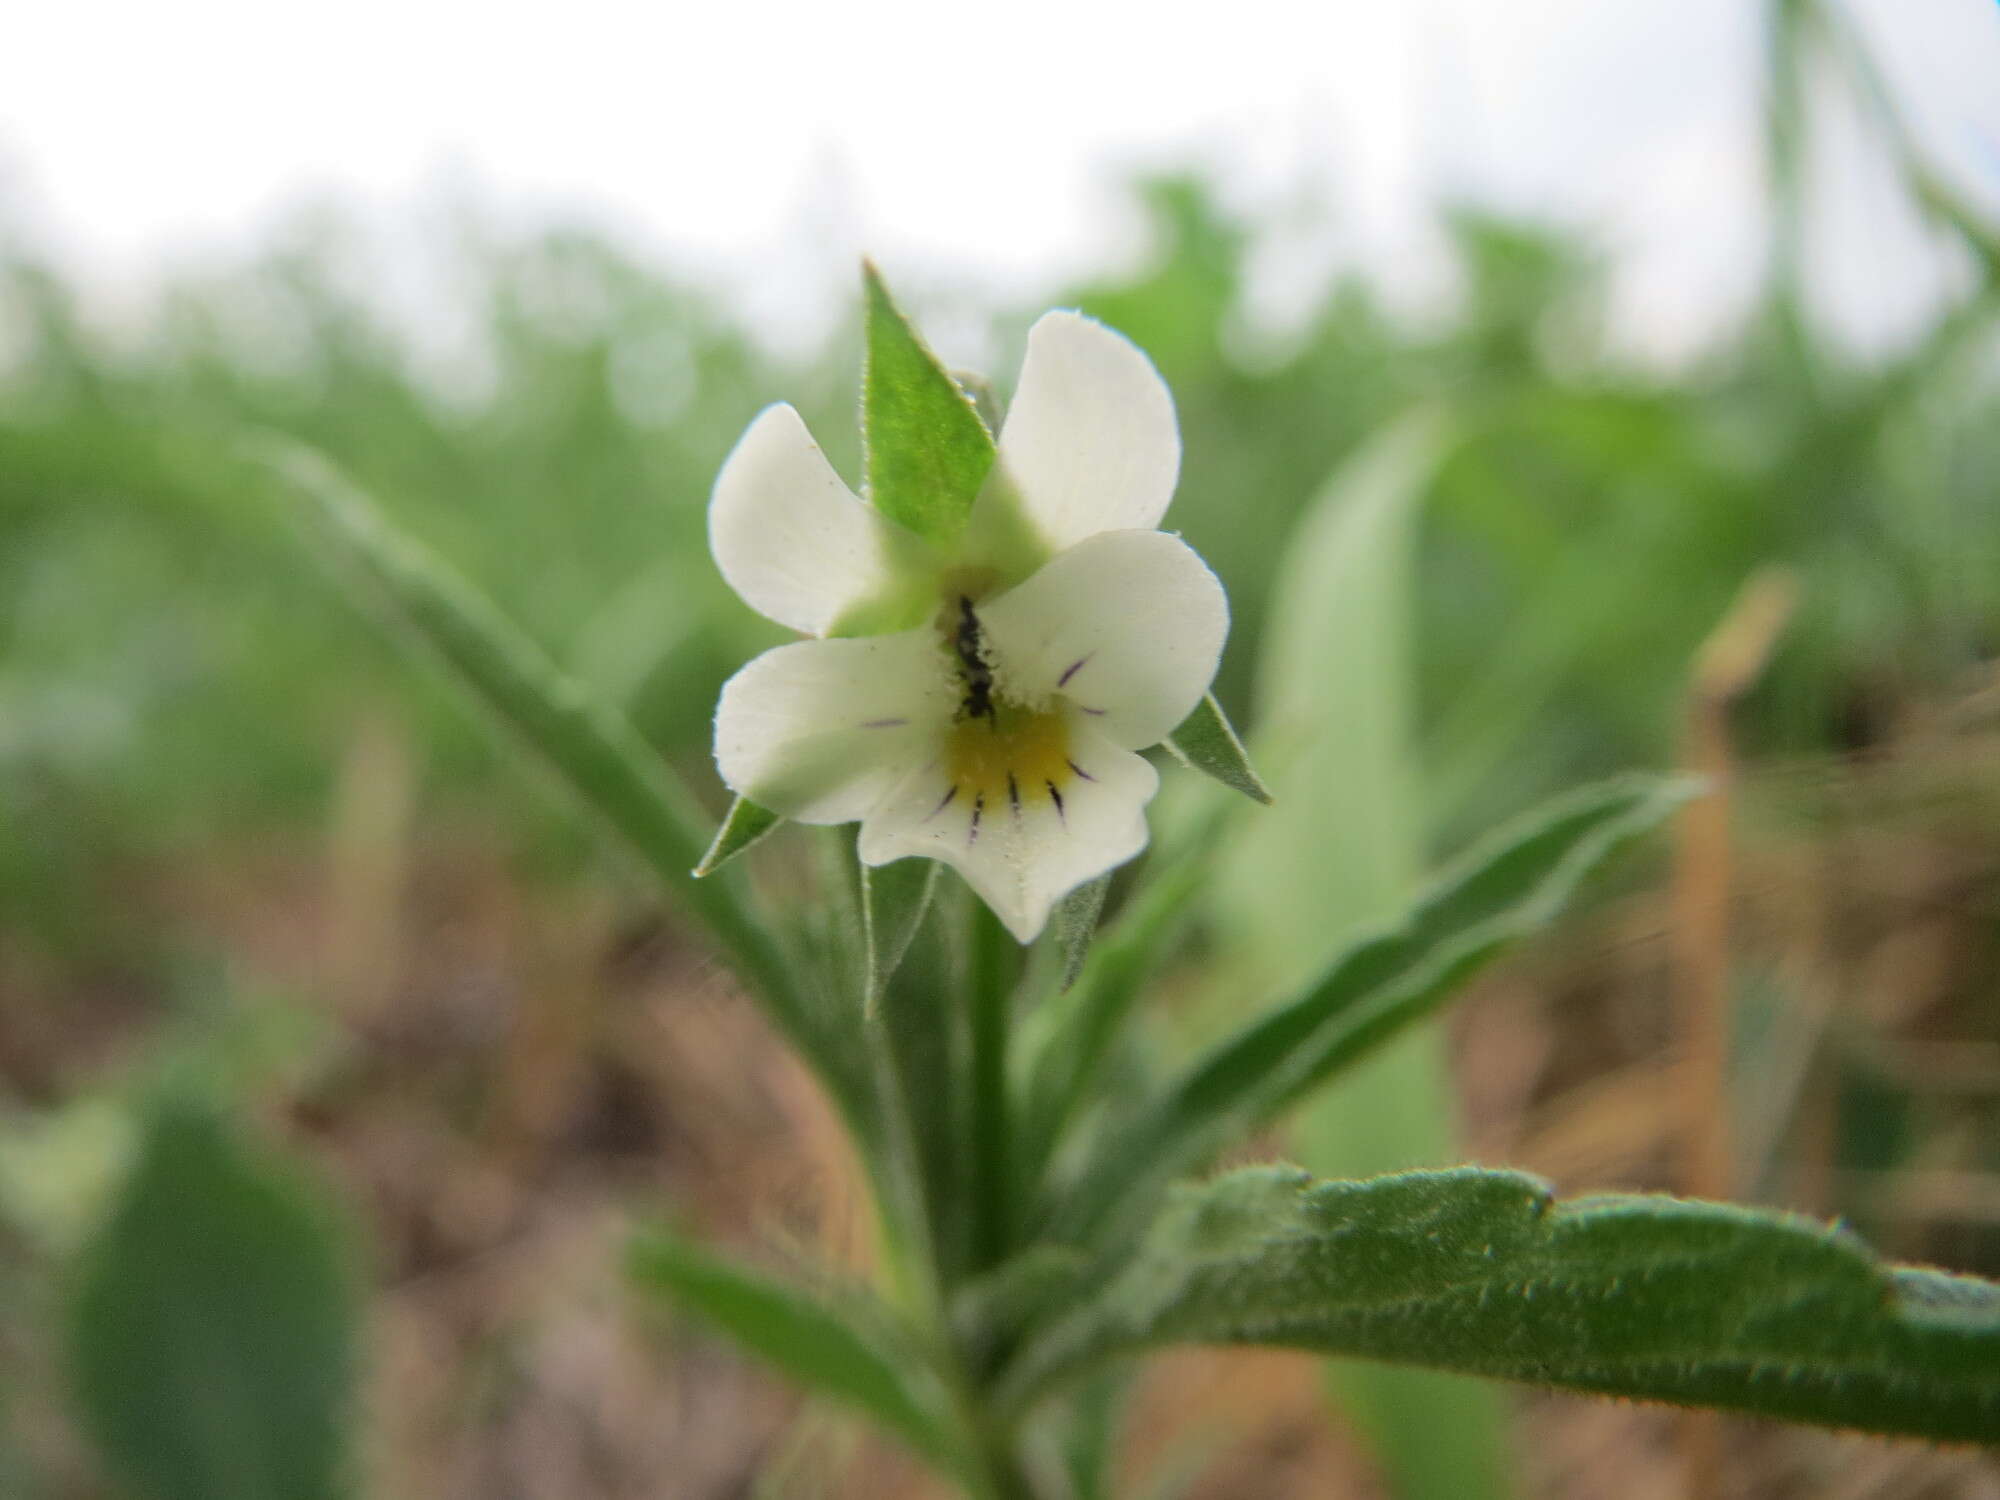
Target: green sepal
(743, 825)
(979, 391)
(1073, 923)
(927, 453)
(894, 898)
(1483, 1273)
(1207, 742)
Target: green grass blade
(1481, 1272)
(214, 1329)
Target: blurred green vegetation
(172, 678)
(179, 688)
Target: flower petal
(1127, 625)
(792, 538)
(1023, 856)
(821, 731)
(1090, 443)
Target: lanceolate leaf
(594, 751)
(213, 1339)
(928, 453)
(1208, 742)
(829, 1352)
(1504, 890)
(1481, 1272)
(1337, 736)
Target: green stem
(999, 1473)
(1786, 145)
(1931, 191)
(1065, 1052)
(1006, 1479)
(994, 960)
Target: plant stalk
(994, 962)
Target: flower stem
(994, 963)
(1006, 1478)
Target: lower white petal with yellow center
(999, 739)
(1051, 806)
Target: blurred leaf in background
(1346, 852)
(215, 1326)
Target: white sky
(771, 144)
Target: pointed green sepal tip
(894, 898)
(1208, 742)
(927, 453)
(1074, 923)
(985, 401)
(744, 824)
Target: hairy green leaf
(1482, 1272)
(1207, 742)
(594, 751)
(1505, 889)
(213, 1333)
(848, 1354)
(743, 825)
(1336, 734)
(927, 451)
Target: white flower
(993, 722)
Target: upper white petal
(821, 731)
(1023, 858)
(1127, 625)
(792, 539)
(1090, 443)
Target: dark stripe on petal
(1080, 771)
(1056, 797)
(953, 792)
(978, 807)
(1073, 668)
(885, 723)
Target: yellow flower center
(1009, 756)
